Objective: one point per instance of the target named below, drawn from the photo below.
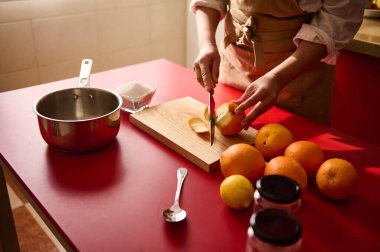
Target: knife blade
(211, 112)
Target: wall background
(45, 40)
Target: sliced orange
(198, 125)
(226, 120)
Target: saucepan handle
(84, 75)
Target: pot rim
(119, 98)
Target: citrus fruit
(242, 159)
(198, 125)
(206, 113)
(272, 139)
(337, 178)
(308, 154)
(226, 120)
(289, 167)
(237, 191)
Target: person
(279, 52)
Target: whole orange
(272, 139)
(337, 178)
(242, 159)
(308, 154)
(289, 167)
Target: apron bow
(248, 38)
(246, 32)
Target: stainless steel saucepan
(81, 119)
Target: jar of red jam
(273, 230)
(277, 191)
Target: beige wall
(45, 40)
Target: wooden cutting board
(168, 123)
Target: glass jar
(273, 230)
(277, 191)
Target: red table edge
(8, 229)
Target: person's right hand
(206, 66)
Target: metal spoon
(175, 213)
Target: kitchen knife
(211, 112)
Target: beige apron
(259, 36)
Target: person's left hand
(262, 94)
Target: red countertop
(112, 199)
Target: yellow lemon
(237, 192)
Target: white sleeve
(334, 24)
(219, 5)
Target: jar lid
(278, 189)
(276, 226)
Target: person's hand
(206, 66)
(261, 94)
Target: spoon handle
(181, 174)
